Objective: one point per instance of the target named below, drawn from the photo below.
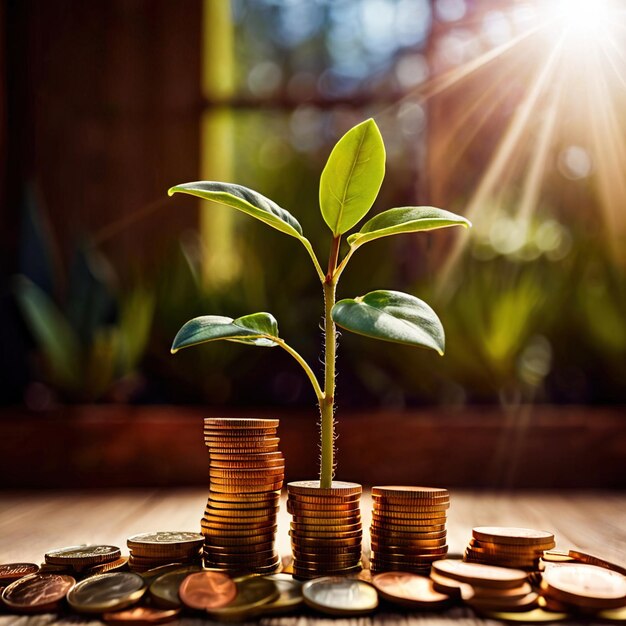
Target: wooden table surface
(33, 522)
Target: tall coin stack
(508, 547)
(326, 531)
(246, 472)
(408, 530)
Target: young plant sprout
(348, 187)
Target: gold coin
(325, 542)
(408, 492)
(340, 596)
(402, 532)
(331, 536)
(409, 590)
(408, 523)
(236, 473)
(111, 566)
(241, 423)
(246, 465)
(312, 488)
(238, 489)
(252, 594)
(481, 575)
(221, 540)
(323, 500)
(83, 555)
(513, 536)
(163, 589)
(241, 457)
(505, 548)
(344, 520)
(244, 501)
(259, 444)
(230, 435)
(261, 511)
(416, 510)
(169, 540)
(290, 597)
(243, 453)
(585, 586)
(307, 508)
(106, 592)
(244, 531)
(264, 479)
(418, 545)
(261, 526)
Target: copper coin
(10, 572)
(141, 616)
(111, 566)
(513, 535)
(207, 590)
(239, 457)
(246, 473)
(403, 491)
(409, 590)
(263, 479)
(241, 423)
(37, 593)
(590, 559)
(481, 575)
(251, 541)
(312, 488)
(321, 510)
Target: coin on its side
(338, 595)
(10, 572)
(37, 593)
(290, 596)
(142, 615)
(409, 590)
(165, 538)
(513, 536)
(107, 592)
(164, 587)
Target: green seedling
(349, 185)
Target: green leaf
(251, 329)
(408, 219)
(352, 177)
(246, 200)
(54, 336)
(392, 316)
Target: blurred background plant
(509, 112)
(88, 338)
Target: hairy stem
(327, 405)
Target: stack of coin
(246, 472)
(484, 587)
(150, 550)
(326, 531)
(83, 559)
(508, 547)
(408, 530)
(585, 588)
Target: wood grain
(33, 522)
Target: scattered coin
(10, 572)
(141, 616)
(252, 593)
(589, 559)
(340, 596)
(37, 593)
(207, 590)
(290, 595)
(481, 575)
(107, 592)
(585, 586)
(111, 566)
(409, 590)
(163, 589)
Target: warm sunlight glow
(581, 18)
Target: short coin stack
(484, 587)
(150, 550)
(408, 530)
(246, 472)
(508, 547)
(326, 531)
(82, 559)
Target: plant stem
(305, 366)
(327, 405)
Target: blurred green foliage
(89, 338)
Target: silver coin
(107, 592)
(338, 595)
